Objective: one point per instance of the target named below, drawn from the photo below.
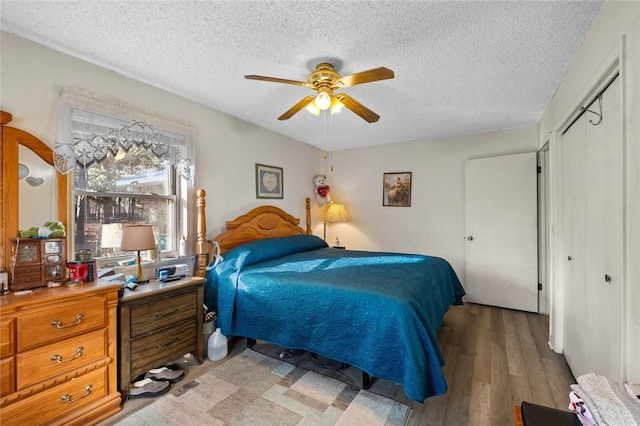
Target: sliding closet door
(574, 244)
(593, 239)
(604, 213)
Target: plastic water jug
(217, 346)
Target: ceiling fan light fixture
(313, 109)
(324, 80)
(323, 100)
(336, 105)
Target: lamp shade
(336, 213)
(138, 237)
(111, 235)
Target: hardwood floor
(495, 359)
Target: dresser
(58, 355)
(159, 322)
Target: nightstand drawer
(152, 350)
(154, 315)
(61, 320)
(46, 406)
(58, 358)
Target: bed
(379, 312)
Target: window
(124, 179)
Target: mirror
(10, 213)
(37, 182)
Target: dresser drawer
(152, 350)
(61, 320)
(7, 376)
(154, 315)
(58, 400)
(7, 337)
(60, 357)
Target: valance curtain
(90, 127)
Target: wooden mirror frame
(9, 211)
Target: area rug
(350, 375)
(253, 389)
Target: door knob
(607, 278)
(568, 257)
(470, 238)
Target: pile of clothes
(597, 400)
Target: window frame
(179, 188)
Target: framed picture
(268, 181)
(396, 189)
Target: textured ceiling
(460, 67)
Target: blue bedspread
(380, 312)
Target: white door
(543, 229)
(501, 231)
(604, 272)
(593, 235)
(574, 206)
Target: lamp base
(139, 274)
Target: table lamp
(137, 238)
(335, 213)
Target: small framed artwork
(268, 181)
(396, 189)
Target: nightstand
(159, 322)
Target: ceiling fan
(325, 80)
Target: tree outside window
(130, 187)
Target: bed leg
(250, 342)
(366, 380)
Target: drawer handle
(58, 323)
(164, 314)
(69, 399)
(167, 344)
(59, 360)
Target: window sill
(148, 267)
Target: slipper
(141, 383)
(149, 389)
(165, 374)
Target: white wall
(434, 224)
(616, 32)
(32, 77)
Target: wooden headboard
(259, 223)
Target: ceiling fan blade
(297, 107)
(275, 80)
(357, 107)
(368, 76)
